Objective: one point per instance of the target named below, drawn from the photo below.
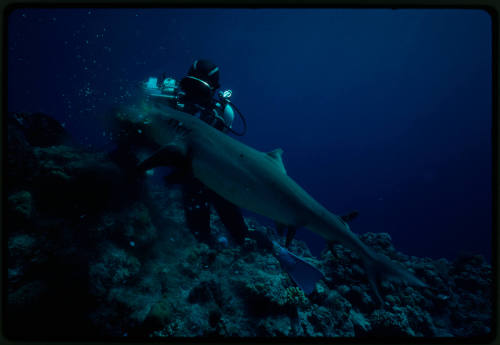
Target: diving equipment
(224, 99)
(165, 89)
(302, 273)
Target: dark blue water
(384, 111)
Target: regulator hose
(242, 120)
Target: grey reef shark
(253, 180)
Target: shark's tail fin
(380, 268)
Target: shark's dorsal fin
(276, 156)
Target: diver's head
(201, 81)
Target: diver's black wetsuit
(194, 95)
(197, 199)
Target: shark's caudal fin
(380, 268)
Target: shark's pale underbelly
(252, 191)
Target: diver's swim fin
(302, 273)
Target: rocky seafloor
(93, 252)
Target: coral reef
(95, 252)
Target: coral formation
(90, 255)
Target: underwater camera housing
(165, 88)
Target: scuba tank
(224, 99)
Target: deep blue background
(383, 111)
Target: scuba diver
(194, 94)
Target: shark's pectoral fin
(168, 155)
(276, 156)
